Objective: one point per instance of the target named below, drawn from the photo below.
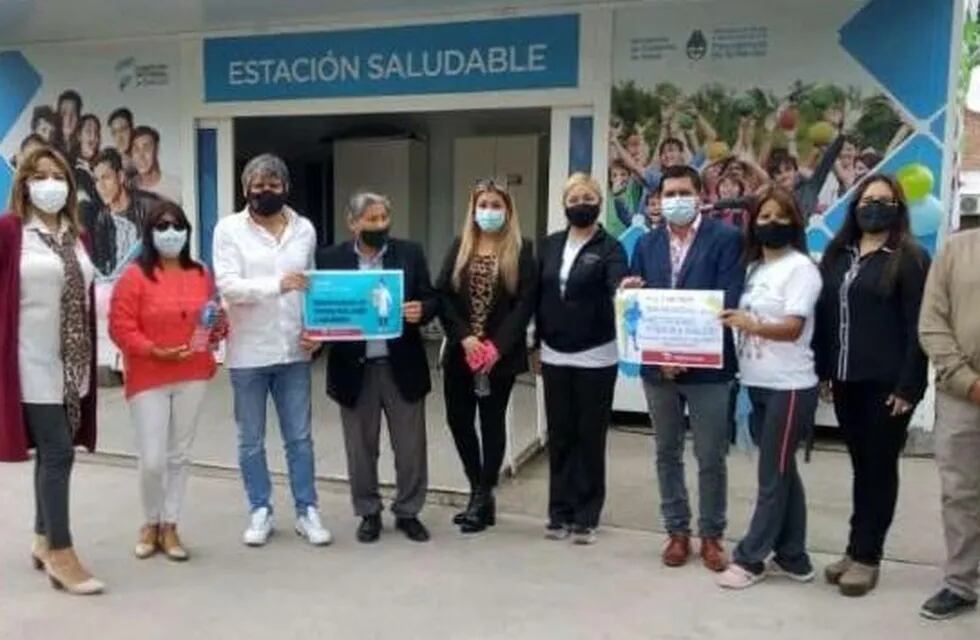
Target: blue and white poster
(344, 306)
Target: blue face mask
(171, 242)
(679, 210)
(490, 220)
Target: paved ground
(510, 583)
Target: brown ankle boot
(678, 550)
(39, 550)
(713, 555)
(171, 544)
(67, 573)
(147, 545)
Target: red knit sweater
(145, 314)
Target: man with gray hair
(366, 378)
(260, 256)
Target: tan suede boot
(67, 573)
(148, 544)
(171, 544)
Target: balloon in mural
(926, 216)
(718, 150)
(916, 180)
(821, 133)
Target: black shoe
(369, 529)
(482, 514)
(458, 518)
(413, 529)
(945, 605)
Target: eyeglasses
(166, 225)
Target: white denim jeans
(165, 420)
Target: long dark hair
(149, 258)
(787, 203)
(900, 239)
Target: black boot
(459, 517)
(482, 514)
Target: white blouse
(42, 279)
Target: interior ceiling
(32, 21)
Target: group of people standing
(847, 328)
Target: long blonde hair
(508, 245)
(20, 194)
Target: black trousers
(579, 405)
(875, 440)
(54, 458)
(481, 465)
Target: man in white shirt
(260, 255)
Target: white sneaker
(259, 528)
(310, 527)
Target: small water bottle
(481, 385)
(201, 339)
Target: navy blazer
(713, 262)
(409, 365)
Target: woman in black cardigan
(487, 288)
(868, 355)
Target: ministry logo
(130, 75)
(697, 45)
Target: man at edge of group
(696, 253)
(949, 330)
(368, 377)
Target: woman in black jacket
(869, 358)
(581, 268)
(487, 289)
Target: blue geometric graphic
(19, 81)
(938, 126)
(905, 45)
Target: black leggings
(55, 455)
(483, 471)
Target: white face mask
(49, 195)
(171, 242)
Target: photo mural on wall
(749, 98)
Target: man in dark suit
(691, 252)
(368, 377)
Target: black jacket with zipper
(584, 317)
(510, 313)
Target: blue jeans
(709, 417)
(289, 385)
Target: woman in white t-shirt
(774, 324)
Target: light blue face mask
(680, 210)
(490, 220)
(171, 242)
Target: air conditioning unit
(970, 205)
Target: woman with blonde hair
(487, 285)
(581, 268)
(47, 342)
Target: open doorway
(425, 162)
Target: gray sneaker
(858, 580)
(557, 531)
(584, 535)
(834, 571)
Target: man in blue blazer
(693, 252)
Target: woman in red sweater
(164, 322)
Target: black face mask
(582, 215)
(877, 217)
(776, 236)
(266, 203)
(374, 238)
